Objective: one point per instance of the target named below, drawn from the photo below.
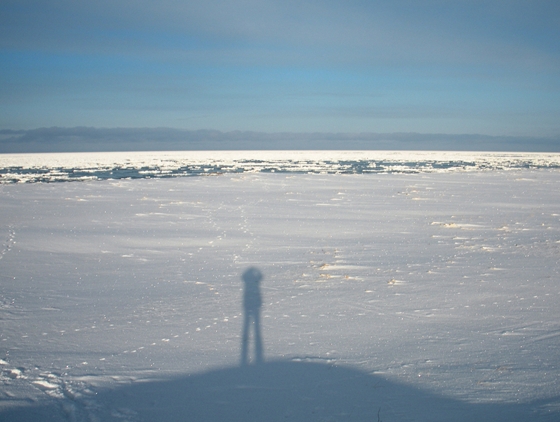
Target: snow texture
(385, 297)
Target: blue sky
(434, 66)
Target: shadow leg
(245, 339)
(259, 354)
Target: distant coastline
(90, 139)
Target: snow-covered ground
(385, 297)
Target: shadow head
(252, 275)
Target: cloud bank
(89, 139)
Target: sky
(487, 67)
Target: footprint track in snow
(8, 244)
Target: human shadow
(252, 302)
(297, 390)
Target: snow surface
(385, 297)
